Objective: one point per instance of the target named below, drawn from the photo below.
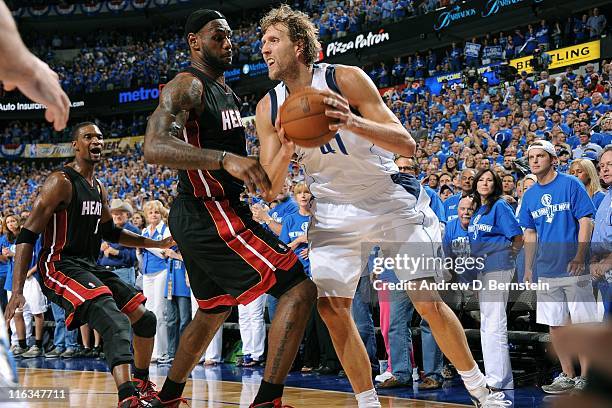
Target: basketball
(304, 120)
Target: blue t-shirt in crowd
(8, 284)
(5, 266)
(176, 273)
(491, 235)
(282, 209)
(553, 211)
(294, 226)
(456, 244)
(450, 206)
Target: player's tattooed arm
(180, 98)
(163, 139)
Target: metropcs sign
(141, 94)
(361, 41)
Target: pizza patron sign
(361, 41)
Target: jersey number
(97, 223)
(327, 147)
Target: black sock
(171, 390)
(23, 344)
(126, 390)
(268, 392)
(39, 344)
(141, 374)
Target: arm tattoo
(163, 139)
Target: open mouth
(95, 150)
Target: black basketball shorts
(230, 259)
(70, 282)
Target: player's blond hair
(300, 29)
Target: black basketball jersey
(218, 127)
(74, 231)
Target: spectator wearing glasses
(450, 205)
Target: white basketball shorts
(341, 236)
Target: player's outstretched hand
(338, 108)
(248, 170)
(166, 243)
(41, 85)
(17, 302)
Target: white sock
(368, 399)
(475, 382)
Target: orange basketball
(303, 118)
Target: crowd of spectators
(115, 59)
(24, 132)
(462, 127)
(534, 39)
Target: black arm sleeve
(110, 232)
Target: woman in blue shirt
(585, 171)
(496, 237)
(154, 271)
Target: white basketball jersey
(349, 167)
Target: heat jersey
(218, 127)
(74, 231)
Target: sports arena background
(475, 81)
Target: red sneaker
(146, 389)
(277, 403)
